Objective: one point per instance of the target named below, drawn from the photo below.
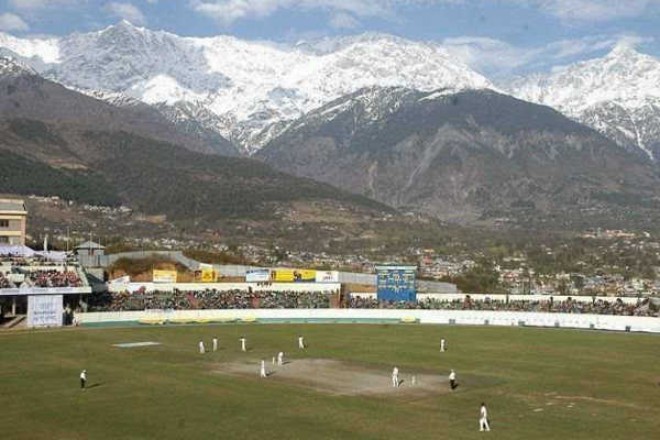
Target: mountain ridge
(58, 142)
(249, 86)
(463, 156)
(618, 95)
(27, 95)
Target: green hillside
(152, 177)
(21, 175)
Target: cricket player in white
(83, 379)
(395, 377)
(215, 344)
(301, 343)
(483, 418)
(202, 350)
(243, 341)
(280, 358)
(263, 368)
(452, 379)
(442, 345)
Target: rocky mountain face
(25, 94)
(55, 141)
(463, 156)
(247, 91)
(618, 95)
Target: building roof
(90, 245)
(12, 205)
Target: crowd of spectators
(37, 271)
(241, 299)
(14, 260)
(596, 306)
(34, 260)
(4, 282)
(52, 278)
(208, 299)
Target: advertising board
(45, 311)
(164, 276)
(327, 276)
(208, 274)
(292, 275)
(257, 276)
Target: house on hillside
(13, 222)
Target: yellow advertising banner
(208, 275)
(164, 276)
(293, 275)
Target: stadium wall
(503, 298)
(450, 317)
(223, 287)
(27, 291)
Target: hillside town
(618, 263)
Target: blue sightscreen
(396, 284)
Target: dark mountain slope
(24, 94)
(54, 141)
(464, 156)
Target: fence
(449, 317)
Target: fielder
(395, 377)
(202, 349)
(280, 358)
(215, 344)
(301, 343)
(442, 345)
(483, 418)
(243, 341)
(452, 380)
(83, 379)
(263, 369)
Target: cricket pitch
(341, 378)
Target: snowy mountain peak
(618, 95)
(623, 75)
(11, 67)
(38, 50)
(624, 49)
(125, 28)
(328, 45)
(125, 24)
(249, 86)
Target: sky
(496, 37)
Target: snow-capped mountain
(618, 95)
(464, 157)
(11, 67)
(248, 91)
(27, 96)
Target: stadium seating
(53, 278)
(599, 306)
(5, 283)
(208, 299)
(19, 271)
(241, 299)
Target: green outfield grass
(538, 384)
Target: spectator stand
(36, 283)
